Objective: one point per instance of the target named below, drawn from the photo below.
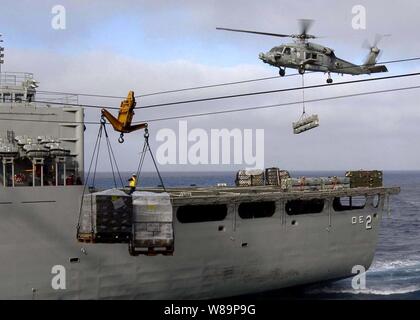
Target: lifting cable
(175, 103)
(303, 94)
(146, 147)
(192, 115)
(298, 88)
(95, 159)
(98, 138)
(214, 85)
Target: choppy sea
(395, 272)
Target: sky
(111, 47)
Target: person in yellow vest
(132, 183)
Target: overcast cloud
(110, 47)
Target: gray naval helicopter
(306, 56)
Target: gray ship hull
(38, 232)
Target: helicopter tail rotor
(375, 52)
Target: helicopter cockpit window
(277, 49)
(287, 51)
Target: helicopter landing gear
(329, 80)
(301, 69)
(282, 72)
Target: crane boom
(125, 116)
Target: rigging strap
(97, 143)
(146, 147)
(95, 159)
(303, 94)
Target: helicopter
(306, 56)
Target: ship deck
(191, 195)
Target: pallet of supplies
(152, 224)
(106, 217)
(274, 176)
(250, 178)
(365, 179)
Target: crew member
(70, 180)
(133, 182)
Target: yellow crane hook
(125, 117)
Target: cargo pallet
(104, 238)
(150, 251)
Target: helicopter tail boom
(377, 69)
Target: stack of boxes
(152, 225)
(106, 217)
(365, 179)
(250, 178)
(275, 176)
(315, 184)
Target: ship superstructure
(39, 144)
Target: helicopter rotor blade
(379, 56)
(378, 38)
(305, 25)
(366, 45)
(257, 32)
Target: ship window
(201, 213)
(349, 203)
(7, 97)
(296, 207)
(252, 210)
(18, 97)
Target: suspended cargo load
(250, 178)
(152, 224)
(305, 124)
(106, 217)
(360, 179)
(274, 176)
(314, 184)
(36, 150)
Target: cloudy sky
(110, 47)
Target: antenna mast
(1, 54)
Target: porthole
(376, 200)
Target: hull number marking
(367, 221)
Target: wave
(395, 277)
(379, 292)
(379, 266)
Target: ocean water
(395, 272)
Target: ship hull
(211, 260)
